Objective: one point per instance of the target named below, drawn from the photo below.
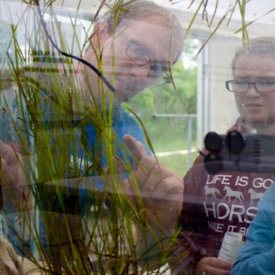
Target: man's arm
(157, 194)
(160, 188)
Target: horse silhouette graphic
(254, 195)
(211, 191)
(236, 195)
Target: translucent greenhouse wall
(77, 198)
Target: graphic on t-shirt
(236, 195)
(230, 201)
(212, 192)
(254, 195)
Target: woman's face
(255, 107)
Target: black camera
(237, 152)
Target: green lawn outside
(168, 136)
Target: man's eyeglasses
(140, 57)
(241, 86)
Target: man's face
(132, 59)
(257, 108)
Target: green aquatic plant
(49, 125)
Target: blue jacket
(257, 256)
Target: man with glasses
(130, 58)
(226, 201)
(131, 49)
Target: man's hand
(161, 189)
(9, 165)
(213, 266)
(12, 177)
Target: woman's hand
(212, 266)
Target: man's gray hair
(145, 10)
